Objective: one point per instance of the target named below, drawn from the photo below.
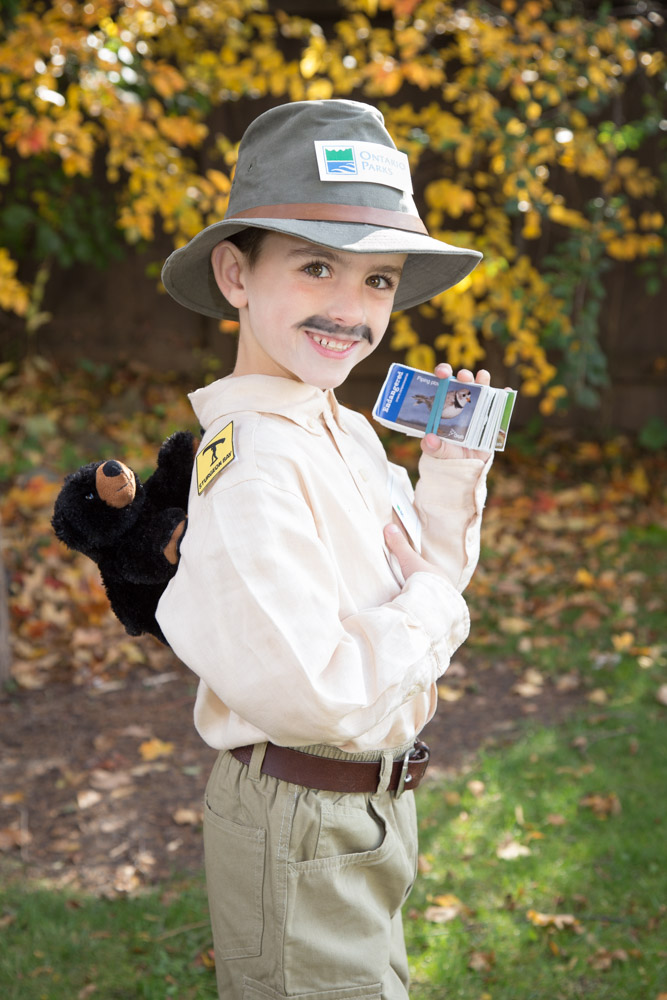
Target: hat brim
(431, 267)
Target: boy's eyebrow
(322, 253)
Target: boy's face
(307, 312)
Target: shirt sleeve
(255, 613)
(449, 498)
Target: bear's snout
(115, 484)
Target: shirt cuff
(454, 483)
(437, 607)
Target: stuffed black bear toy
(131, 530)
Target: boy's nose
(347, 308)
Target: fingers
(432, 445)
(171, 550)
(445, 370)
(398, 544)
(409, 560)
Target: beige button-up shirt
(287, 602)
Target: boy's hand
(409, 560)
(431, 444)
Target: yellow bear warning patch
(215, 456)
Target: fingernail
(391, 529)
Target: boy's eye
(318, 269)
(381, 281)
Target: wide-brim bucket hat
(327, 172)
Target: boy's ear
(228, 263)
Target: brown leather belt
(332, 775)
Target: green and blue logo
(339, 160)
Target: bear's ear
(61, 526)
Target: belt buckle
(404, 778)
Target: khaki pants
(305, 887)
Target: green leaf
(653, 434)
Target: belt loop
(256, 761)
(386, 767)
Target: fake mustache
(321, 324)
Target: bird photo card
(465, 413)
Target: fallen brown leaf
(87, 798)
(567, 682)
(138, 731)
(526, 690)
(555, 819)
(450, 694)
(511, 849)
(12, 798)
(588, 620)
(602, 805)
(441, 914)
(584, 577)
(514, 625)
(558, 920)
(623, 641)
(126, 879)
(603, 959)
(476, 788)
(11, 837)
(481, 961)
(152, 749)
(28, 675)
(106, 781)
(65, 845)
(187, 817)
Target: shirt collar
(282, 397)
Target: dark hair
(249, 241)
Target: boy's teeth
(332, 345)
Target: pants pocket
(235, 859)
(253, 990)
(340, 906)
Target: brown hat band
(323, 212)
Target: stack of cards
(465, 413)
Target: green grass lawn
(546, 865)
(542, 876)
(62, 946)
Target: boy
(317, 630)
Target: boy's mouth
(340, 346)
(334, 336)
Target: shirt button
(364, 474)
(413, 692)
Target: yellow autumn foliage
(14, 296)
(502, 140)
